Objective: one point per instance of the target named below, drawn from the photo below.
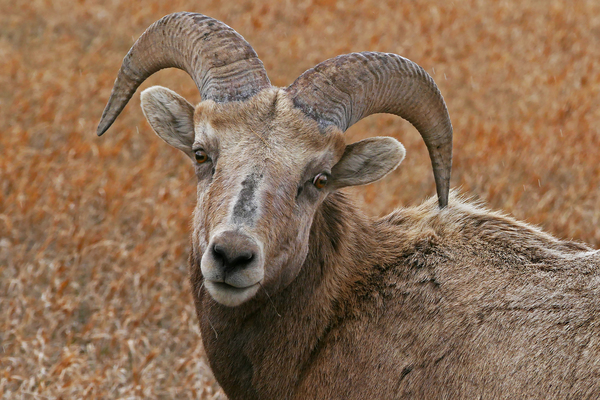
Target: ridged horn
(343, 90)
(220, 61)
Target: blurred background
(94, 298)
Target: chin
(230, 296)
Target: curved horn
(347, 88)
(220, 61)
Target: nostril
(219, 252)
(232, 258)
(241, 260)
(219, 255)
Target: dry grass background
(94, 300)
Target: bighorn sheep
(299, 295)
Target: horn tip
(443, 202)
(101, 128)
(443, 193)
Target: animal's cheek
(295, 261)
(202, 188)
(202, 209)
(199, 239)
(286, 256)
(200, 227)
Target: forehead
(265, 123)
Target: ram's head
(267, 157)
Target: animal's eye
(201, 156)
(320, 181)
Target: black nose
(233, 251)
(230, 257)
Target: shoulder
(467, 226)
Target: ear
(171, 116)
(367, 161)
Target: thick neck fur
(260, 349)
(423, 303)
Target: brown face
(263, 170)
(262, 173)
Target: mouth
(228, 295)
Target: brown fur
(423, 303)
